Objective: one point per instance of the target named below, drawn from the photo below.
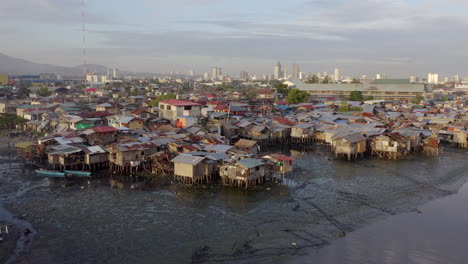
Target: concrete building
(389, 91)
(380, 76)
(243, 75)
(414, 79)
(295, 71)
(116, 74)
(7, 108)
(336, 77)
(277, 72)
(96, 78)
(171, 109)
(433, 78)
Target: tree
(369, 98)
(355, 81)
(326, 79)
(155, 102)
(281, 88)
(312, 79)
(297, 96)
(44, 92)
(355, 96)
(444, 98)
(8, 120)
(417, 99)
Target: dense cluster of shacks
(208, 138)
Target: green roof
(392, 81)
(84, 125)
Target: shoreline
(352, 215)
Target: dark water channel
(329, 211)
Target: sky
(396, 37)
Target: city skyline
(400, 38)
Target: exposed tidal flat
(323, 202)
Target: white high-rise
(380, 76)
(277, 71)
(433, 78)
(337, 75)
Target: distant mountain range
(11, 65)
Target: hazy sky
(398, 37)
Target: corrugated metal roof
(251, 163)
(187, 159)
(218, 148)
(245, 143)
(125, 119)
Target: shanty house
(302, 131)
(111, 107)
(193, 169)
(65, 157)
(131, 154)
(248, 146)
(101, 135)
(391, 146)
(350, 145)
(129, 122)
(244, 173)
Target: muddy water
(322, 202)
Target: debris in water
(294, 244)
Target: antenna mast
(83, 32)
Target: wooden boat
(85, 174)
(50, 174)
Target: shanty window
(168, 107)
(187, 108)
(162, 107)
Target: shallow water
(436, 234)
(324, 200)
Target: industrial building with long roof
(380, 90)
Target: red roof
(264, 91)
(176, 102)
(90, 90)
(281, 103)
(307, 106)
(105, 129)
(283, 121)
(220, 107)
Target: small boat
(50, 174)
(85, 174)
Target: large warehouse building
(387, 91)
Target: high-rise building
(190, 73)
(243, 75)
(446, 79)
(214, 73)
(285, 73)
(456, 79)
(277, 72)
(337, 75)
(380, 76)
(115, 73)
(295, 71)
(433, 78)
(302, 75)
(413, 79)
(206, 76)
